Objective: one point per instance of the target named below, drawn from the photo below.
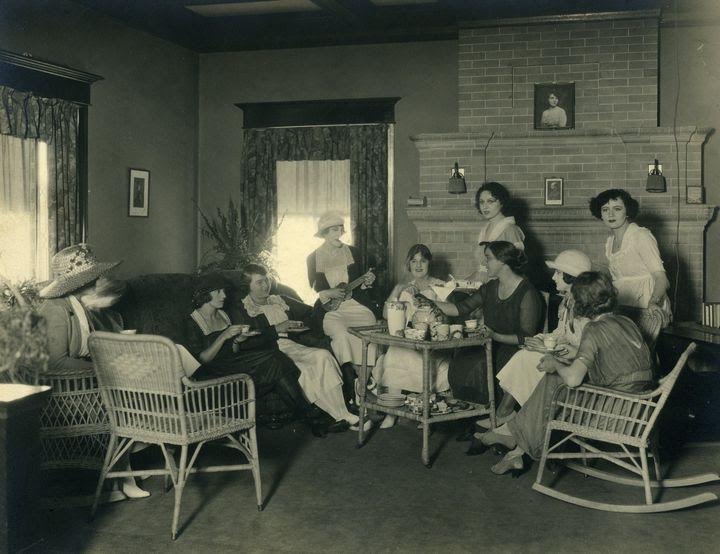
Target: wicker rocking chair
(149, 400)
(594, 417)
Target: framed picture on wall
(554, 191)
(554, 106)
(139, 193)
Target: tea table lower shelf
(377, 334)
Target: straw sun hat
(73, 268)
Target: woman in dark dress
(223, 349)
(512, 311)
(612, 354)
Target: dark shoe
(318, 428)
(466, 434)
(339, 426)
(476, 447)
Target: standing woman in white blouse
(632, 252)
(492, 201)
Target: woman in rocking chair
(612, 353)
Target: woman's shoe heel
(476, 447)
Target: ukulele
(347, 288)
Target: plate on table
(547, 350)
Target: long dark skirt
(265, 366)
(468, 373)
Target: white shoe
(130, 489)
(366, 426)
(388, 421)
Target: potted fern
(23, 333)
(236, 240)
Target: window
(306, 189)
(24, 211)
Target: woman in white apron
(632, 252)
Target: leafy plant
(23, 333)
(237, 240)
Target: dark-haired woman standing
(612, 353)
(492, 200)
(632, 253)
(512, 309)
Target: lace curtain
(366, 148)
(56, 122)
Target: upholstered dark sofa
(159, 304)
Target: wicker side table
(377, 334)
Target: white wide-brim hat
(572, 262)
(73, 268)
(329, 219)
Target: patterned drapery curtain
(57, 122)
(366, 148)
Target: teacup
(245, 329)
(549, 342)
(471, 323)
(456, 331)
(441, 331)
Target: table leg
(490, 382)
(362, 379)
(426, 407)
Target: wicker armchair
(149, 400)
(593, 418)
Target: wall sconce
(456, 184)
(655, 180)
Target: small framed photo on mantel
(554, 191)
(139, 193)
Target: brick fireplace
(614, 65)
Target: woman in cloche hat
(77, 303)
(519, 377)
(330, 265)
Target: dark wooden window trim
(42, 78)
(350, 111)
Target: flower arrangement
(23, 333)
(236, 240)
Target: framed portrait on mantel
(554, 106)
(139, 193)
(554, 191)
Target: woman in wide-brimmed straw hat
(331, 264)
(77, 303)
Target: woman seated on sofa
(401, 368)
(612, 354)
(320, 377)
(78, 302)
(223, 349)
(520, 375)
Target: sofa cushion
(158, 304)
